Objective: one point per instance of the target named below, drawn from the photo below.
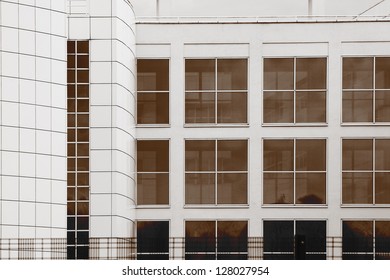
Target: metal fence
(126, 249)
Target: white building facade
(208, 137)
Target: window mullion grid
(373, 238)
(216, 92)
(295, 92)
(216, 240)
(373, 170)
(294, 169)
(374, 92)
(216, 173)
(76, 141)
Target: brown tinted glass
(71, 150)
(71, 135)
(82, 193)
(200, 74)
(71, 120)
(82, 119)
(82, 208)
(358, 72)
(82, 105)
(82, 61)
(232, 155)
(278, 107)
(71, 193)
(153, 108)
(71, 164)
(83, 149)
(232, 107)
(152, 189)
(71, 91)
(278, 188)
(357, 188)
(232, 74)
(382, 187)
(232, 228)
(82, 179)
(200, 229)
(310, 188)
(83, 164)
(382, 72)
(278, 155)
(71, 179)
(232, 188)
(357, 154)
(200, 107)
(71, 105)
(71, 208)
(71, 61)
(278, 73)
(82, 46)
(82, 135)
(310, 107)
(310, 155)
(152, 155)
(152, 74)
(71, 76)
(71, 47)
(200, 155)
(382, 106)
(382, 229)
(82, 90)
(311, 73)
(382, 154)
(357, 106)
(232, 237)
(82, 76)
(200, 188)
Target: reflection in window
(294, 171)
(366, 240)
(216, 171)
(366, 171)
(152, 240)
(279, 239)
(216, 91)
(152, 172)
(294, 90)
(221, 240)
(366, 89)
(152, 91)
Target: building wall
(110, 27)
(32, 121)
(255, 41)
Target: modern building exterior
(194, 137)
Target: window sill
(294, 125)
(294, 205)
(365, 124)
(365, 205)
(208, 125)
(153, 126)
(213, 206)
(153, 207)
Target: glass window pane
(382, 237)
(200, 74)
(232, 236)
(311, 107)
(71, 208)
(278, 155)
(278, 107)
(83, 164)
(232, 107)
(200, 155)
(70, 223)
(71, 76)
(82, 46)
(232, 155)
(357, 154)
(152, 236)
(82, 238)
(71, 61)
(278, 188)
(278, 73)
(232, 188)
(382, 106)
(200, 107)
(357, 106)
(83, 149)
(82, 179)
(382, 154)
(71, 237)
(82, 208)
(153, 108)
(71, 164)
(382, 72)
(71, 193)
(82, 61)
(152, 74)
(82, 223)
(71, 150)
(71, 89)
(152, 155)
(310, 188)
(71, 179)
(200, 188)
(200, 236)
(311, 73)
(278, 236)
(82, 135)
(71, 46)
(82, 193)
(357, 188)
(382, 188)
(152, 188)
(357, 236)
(71, 105)
(71, 120)
(311, 155)
(315, 235)
(82, 91)
(83, 76)
(232, 74)
(82, 120)
(358, 72)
